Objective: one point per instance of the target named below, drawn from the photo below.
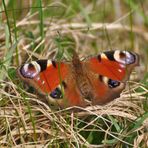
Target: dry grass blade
(28, 119)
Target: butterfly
(95, 80)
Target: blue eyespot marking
(56, 93)
(113, 83)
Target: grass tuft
(52, 29)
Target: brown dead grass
(26, 120)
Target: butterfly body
(97, 80)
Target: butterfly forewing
(116, 65)
(45, 76)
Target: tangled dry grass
(26, 119)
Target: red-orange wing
(115, 65)
(47, 76)
(44, 75)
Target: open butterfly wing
(105, 89)
(72, 95)
(48, 78)
(116, 65)
(44, 75)
(109, 71)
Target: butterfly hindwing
(105, 89)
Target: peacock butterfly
(95, 80)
